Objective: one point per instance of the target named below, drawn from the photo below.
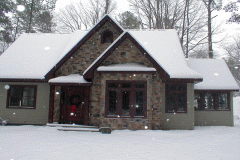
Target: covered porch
(69, 100)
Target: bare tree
(192, 27)
(158, 14)
(211, 5)
(233, 59)
(73, 16)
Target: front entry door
(72, 105)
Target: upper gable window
(107, 37)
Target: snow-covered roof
(164, 47)
(216, 74)
(72, 78)
(126, 67)
(33, 55)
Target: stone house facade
(120, 79)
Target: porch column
(86, 108)
(51, 104)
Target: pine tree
(5, 24)
(128, 20)
(37, 16)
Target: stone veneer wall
(154, 91)
(127, 52)
(85, 55)
(154, 103)
(56, 110)
(81, 60)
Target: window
(126, 99)
(211, 100)
(21, 97)
(107, 37)
(176, 98)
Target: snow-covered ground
(42, 142)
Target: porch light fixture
(57, 93)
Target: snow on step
(69, 125)
(79, 129)
(79, 126)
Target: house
(115, 78)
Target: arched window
(107, 37)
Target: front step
(79, 126)
(70, 125)
(74, 127)
(79, 129)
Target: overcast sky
(123, 5)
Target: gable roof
(216, 74)
(35, 56)
(162, 49)
(32, 55)
(105, 19)
(165, 48)
(88, 73)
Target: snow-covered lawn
(42, 142)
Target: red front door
(73, 106)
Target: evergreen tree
(128, 20)
(37, 16)
(5, 24)
(233, 7)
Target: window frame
(215, 102)
(167, 97)
(102, 37)
(119, 89)
(22, 86)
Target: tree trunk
(188, 23)
(107, 6)
(183, 26)
(30, 18)
(210, 50)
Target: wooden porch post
(86, 106)
(51, 104)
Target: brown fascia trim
(129, 72)
(90, 72)
(50, 74)
(182, 80)
(71, 84)
(23, 80)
